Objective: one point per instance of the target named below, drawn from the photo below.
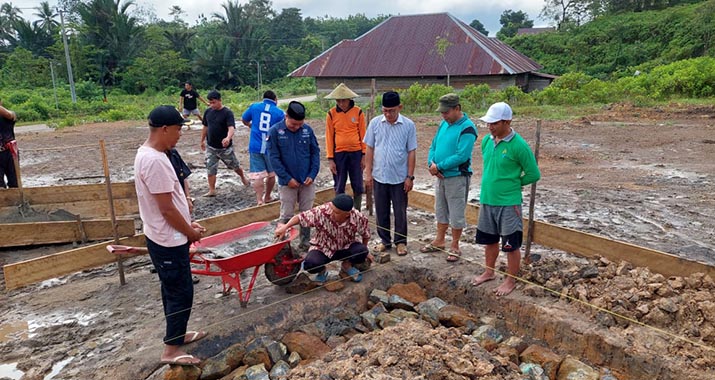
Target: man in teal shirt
(509, 164)
(450, 158)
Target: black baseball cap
(166, 115)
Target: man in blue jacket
(450, 158)
(295, 157)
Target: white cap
(498, 111)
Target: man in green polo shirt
(449, 160)
(509, 164)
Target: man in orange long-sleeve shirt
(344, 132)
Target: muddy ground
(643, 176)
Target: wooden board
(22, 234)
(30, 271)
(89, 201)
(588, 245)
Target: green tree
(511, 21)
(476, 24)
(155, 71)
(567, 12)
(47, 18)
(30, 37)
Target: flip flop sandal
(401, 249)
(381, 247)
(453, 255)
(177, 360)
(431, 248)
(353, 273)
(194, 336)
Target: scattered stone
(382, 257)
(411, 292)
(379, 296)
(280, 371)
(307, 346)
(455, 316)
(516, 343)
(369, 318)
(429, 310)
(294, 359)
(668, 305)
(533, 371)
(359, 351)
(257, 372)
(589, 272)
(257, 353)
(488, 337)
(397, 302)
(334, 286)
(386, 320)
(222, 364)
(334, 341)
(301, 284)
(277, 351)
(573, 369)
(547, 359)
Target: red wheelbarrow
(281, 265)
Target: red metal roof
(405, 46)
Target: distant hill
(616, 45)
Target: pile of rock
(402, 335)
(683, 306)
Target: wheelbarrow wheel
(283, 271)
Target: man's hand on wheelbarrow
(280, 232)
(198, 232)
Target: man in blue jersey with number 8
(260, 117)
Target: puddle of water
(82, 319)
(57, 367)
(14, 331)
(10, 371)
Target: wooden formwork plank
(66, 194)
(21, 234)
(30, 271)
(589, 245)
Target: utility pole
(258, 80)
(54, 85)
(67, 57)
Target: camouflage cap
(447, 102)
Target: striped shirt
(391, 144)
(329, 235)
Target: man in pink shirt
(164, 211)
(336, 225)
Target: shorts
(500, 221)
(187, 112)
(450, 201)
(226, 155)
(260, 166)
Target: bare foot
(269, 199)
(210, 194)
(484, 277)
(505, 288)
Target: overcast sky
(486, 11)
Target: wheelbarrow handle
(127, 249)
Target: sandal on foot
(453, 255)
(353, 273)
(322, 277)
(381, 247)
(431, 248)
(182, 360)
(401, 249)
(193, 336)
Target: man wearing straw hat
(344, 131)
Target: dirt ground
(643, 176)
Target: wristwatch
(411, 177)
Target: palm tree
(47, 17)
(11, 12)
(31, 37)
(180, 40)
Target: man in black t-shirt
(217, 140)
(7, 138)
(187, 102)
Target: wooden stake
(371, 113)
(530, 232)
(107, 180)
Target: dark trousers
(177, 290)
(7, 169)
(316, 260)
(386, 195)
(348, 165)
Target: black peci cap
(296, 110)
